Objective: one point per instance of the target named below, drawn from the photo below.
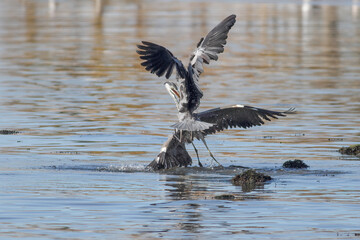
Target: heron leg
(203, 140)
(196, 151)
(176, 136)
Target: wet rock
(237, 166)
(352, 150)
(225, 197)
(250, 179)
(297, 163)
(8, 132)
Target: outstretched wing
(237, 116)
(209, 47)
(159, 60)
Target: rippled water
(90, 118)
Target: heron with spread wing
(187, 94)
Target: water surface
(90, 118)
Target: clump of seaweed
(225, 197)
(250, 179)
(351, 150)
(297, 163)
(8, 132)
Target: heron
(186, 94)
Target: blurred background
(69, 68)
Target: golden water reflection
(71, 66)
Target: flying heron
(187, 94)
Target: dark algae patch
(297, 163)
(8, 132)
(250, 176)
(249, 179)
(351, 150)
(225, 197)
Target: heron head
(173, 91)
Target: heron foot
(212, 156)
(197, 155)
(215, 159)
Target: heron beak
(172, 89)
(175, 91)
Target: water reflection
(185, 187)
(179, 188)
(355, 9)
(192, 219)
(206, 183)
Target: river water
(90, 119)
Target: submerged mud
(250, 179)
(351, 150)
(8, 132)
(297, 163)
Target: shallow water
(90, 119)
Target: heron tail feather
(192, 125)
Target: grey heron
(187, 94)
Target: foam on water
(101, 168)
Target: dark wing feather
(159, 60)
(209, 47)
(192, 91)
(237, 116)
(173, 154)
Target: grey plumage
(159, 60)
(187, 94)
(237, 116)
(209, 47)
(172, 154)
(192, 125)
